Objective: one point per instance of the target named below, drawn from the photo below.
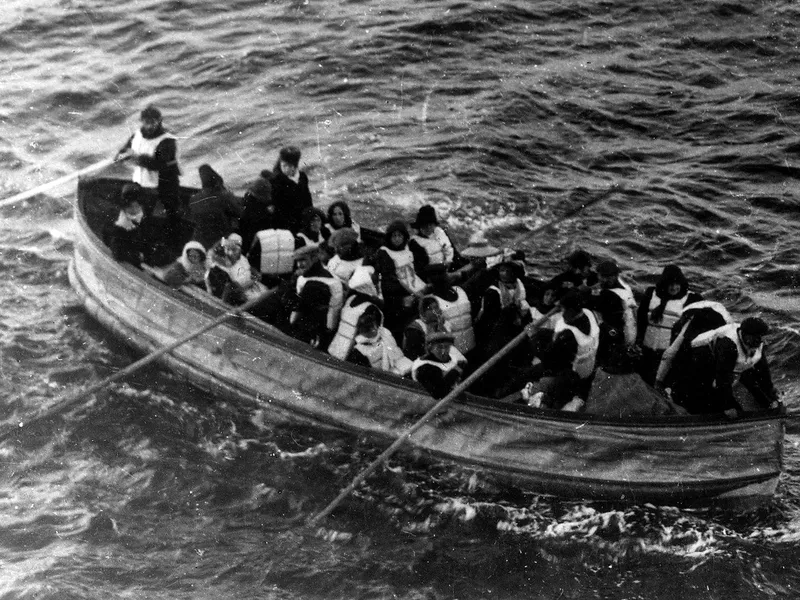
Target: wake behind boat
(660, 459)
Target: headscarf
(196, 272)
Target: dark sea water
(502, 115)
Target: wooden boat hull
(673, 460)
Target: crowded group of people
(413, 305)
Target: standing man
(290, 191)
(154, 152)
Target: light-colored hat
(306, 250)
(479, 247)
(342, 236)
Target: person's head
(426, 221)
(508, 271)
(752, 331)
(429, 310)
(306, 256)
(396, 236)
(672, 283)
(233, 247)
(312, 219)
(550, 294)
(339, 215)
(439, 344)
(344, 242)
(571, 304)
(209, 178)
(580, 262)
(369, 322)
(289, 160)
(150, 119)
(607, 273)
(130, 202)
(195, 253)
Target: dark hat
(579, 259)
(150, 112)
(672, 274)
(260, 189)
(290, 154)
(571, 300)
(608, 267)
(209, 178)
(425, 216)
(342, 237)
(754, 326)
(131, 192)
(439, 336)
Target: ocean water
(503, 115)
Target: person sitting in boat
(189, 269)
(440, 369)
(375, 347)
(311, 229)
(347, 253)
(339, 217)
(259, 212)
(290, 189)
(578, 322)
(242, 282)
(543, 302)
(401, 287)
(272, 255)
(455, 307)
(318, 302)
(553, 383)
(430, 320)
(362, 294)
(504, 308)
(129, 237)
(214, 210)
(719, 357)
(430, 245)
(154, 152)
(579, 274)
(478, 276)
(659, 310)
(614, 304)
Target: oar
(567, 215)
(74, 398)
(457, 391)
(60, 181)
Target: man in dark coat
(214, 210)
(259, 211)
(290, 190)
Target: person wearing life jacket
(659, 310)
(362, 296)
(318, 302)
(259, 212)
(189, 268)
(579, 323)
(696, 318)
(455, 307)
(214, 210)
(311, 228)
(339, 217)
(347, 253)
(614, 304)
(504, 310)
(430, 245)
(718, 358)
(375, 347)
(272, 255)
(400, 285)
(430, 320)
(290, 190)
(242, 282)
(578, 275)
(154, 152)
(440, 369)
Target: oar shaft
(57, 182)
(455, 393)
(69, 400)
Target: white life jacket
(277, 251)
(586, 356)
(335, 303)
(657, 336)
(715, 306)
(432, 247)
(383, 353)
(343, 341)
(629, 311)
(240, 273)
(147, 147)
(456, 359)
(457, 316)
(404, 266)
(744, 360)
(343, 269)
(518, 297)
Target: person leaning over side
(154, 152)
(659, 310)
(717, 359)
(290, 190)
(214, 210)
(439, 371)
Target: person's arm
(175, 275)
(306, 201)
(125, 151)
(421, 259)
(413, 342)
(642, 315)
(390, 284)
(432, 379)
(758, 381)
(725, 355)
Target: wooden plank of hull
(651, 460)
